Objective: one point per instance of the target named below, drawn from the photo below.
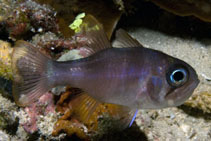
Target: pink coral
(42, 107)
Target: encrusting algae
(5, 60)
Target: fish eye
(177, 77)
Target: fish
(128, 75)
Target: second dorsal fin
(123, 39)
(92, 31)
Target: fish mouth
(175, 97)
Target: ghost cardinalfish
(132, 76)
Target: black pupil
(178, 76)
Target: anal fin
(84, 106)
(88, 110)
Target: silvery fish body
(131, 76)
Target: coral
(23, 18)
(70, 127)
(201, 101)
(52, 45)
(5, 60)
(42, 107)
(198, 8)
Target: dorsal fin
(123, 39)
(95, 37)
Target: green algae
(77, 22)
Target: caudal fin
(30, 73)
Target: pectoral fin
(133, 117)
(127, 116)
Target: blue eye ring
(178, 77)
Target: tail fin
(30, 73)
